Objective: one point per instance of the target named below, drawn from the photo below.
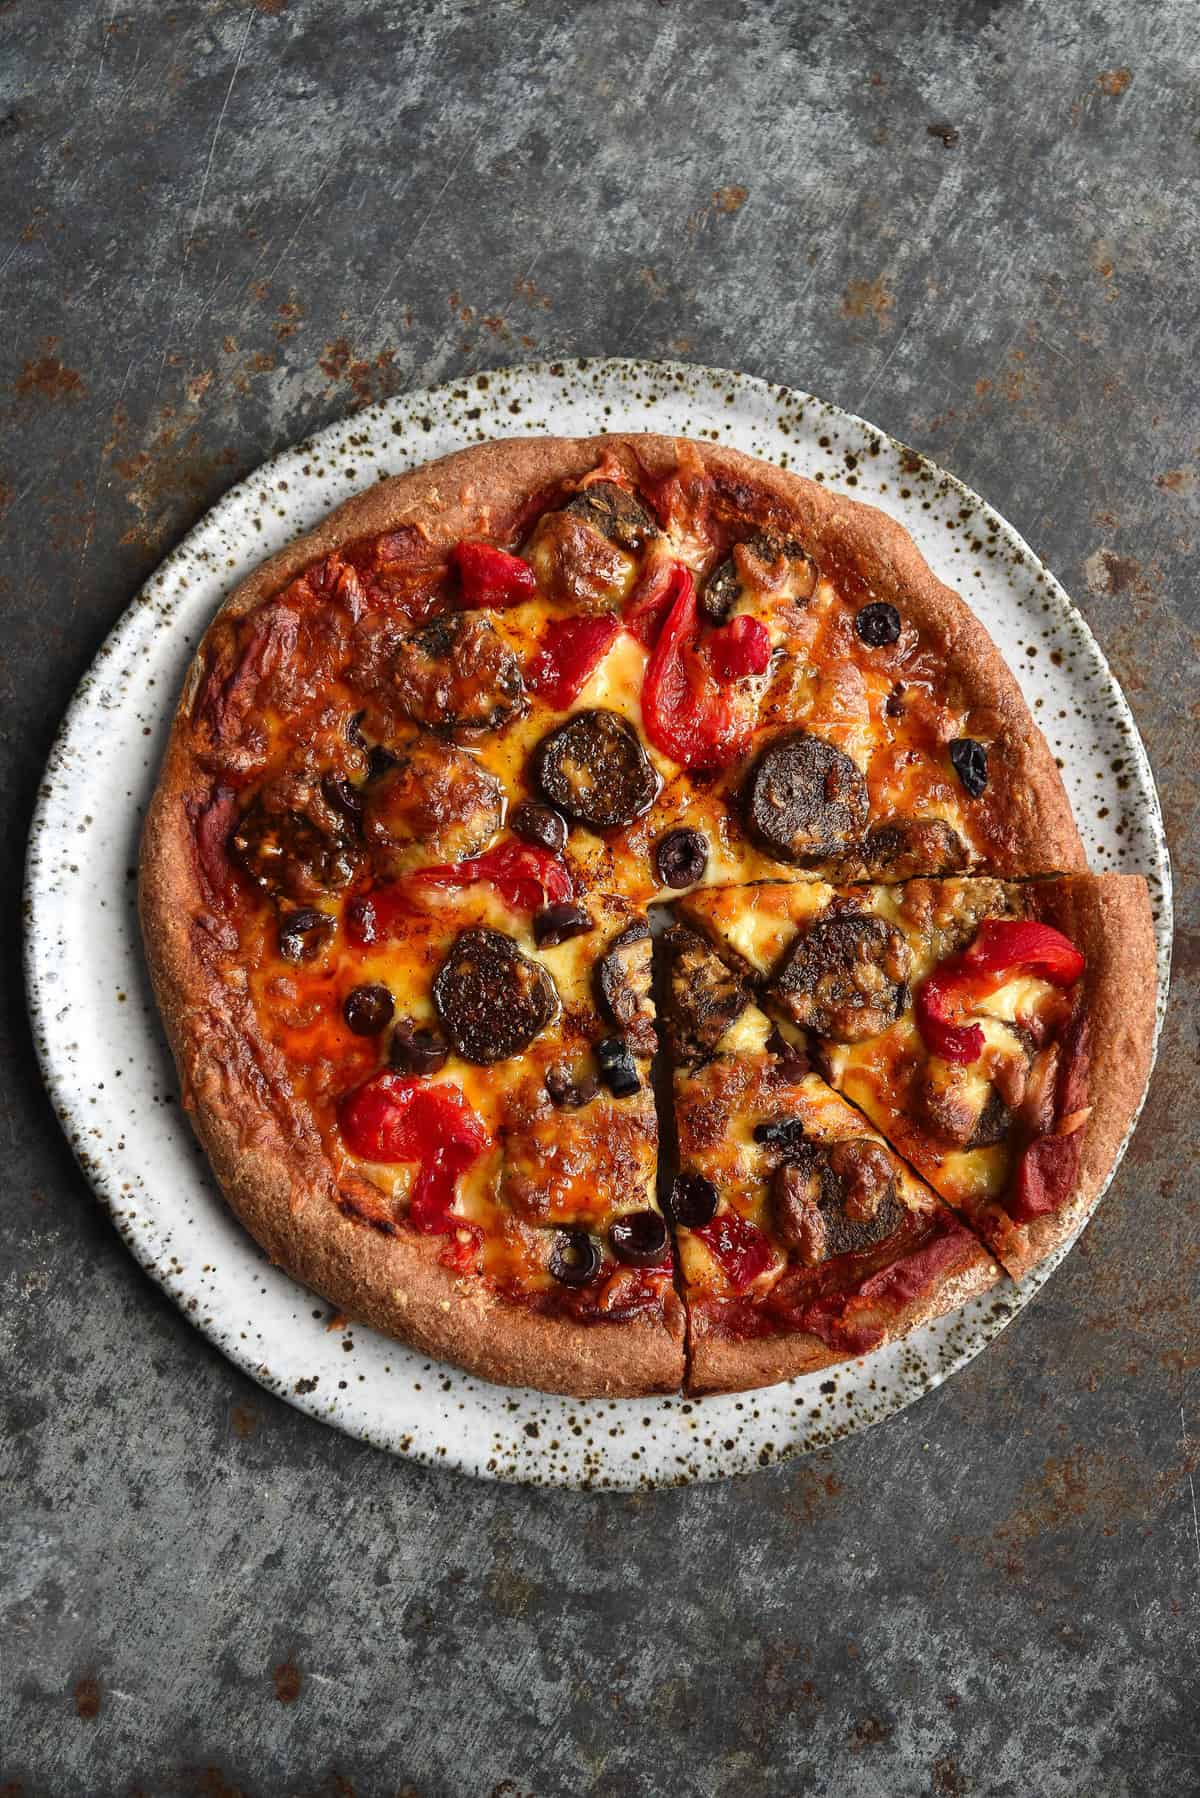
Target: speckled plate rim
(536, 1440)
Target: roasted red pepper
(1002, 947)
(687, 713)
(572, 648)
(525, 876)
(651, 600)
(490, 576)
(739, 648)
(740, 1247)
(391, 1118)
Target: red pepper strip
(525, 876)
(651, 600)
(685, 712)
(572, 648)
(491, 577)
(429, 1122)
(1002, 946)
(740, 1247)
(741, 647)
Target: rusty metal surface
(224, 223)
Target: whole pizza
(620, 929)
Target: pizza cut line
(442, 772)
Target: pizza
(517, 751)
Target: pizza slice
(803, 1238)
(997, 1033)
(472, 1056)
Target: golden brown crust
(1108, 918)
(266, 1151)
(717, 1363)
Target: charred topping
(844, 978)
(783, 565)
(623, 981)
(692, 1201)
(639, 1238)
(803, 799)
(458, 675)
(492, 1000)
(835, 1198)
(417, 1048)
(575, 1258)
(540, 824)
(902, 848)
(435, 804)
(705, 997)
(303, 934)
(970, 761)
(595, 770)
(299, 851)
(617, 1067)
(616, 513)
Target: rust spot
(874, 299)
(272, 8)
(244, 1421)
(946, 134)
(730, 199)
(1113, 82)
(1108, 572)
(947, 1779)
(7, 496)
(87, 1699)
(1175, 480)
(287, 1682)
(48, 378)
(870, 1732)
(369, 379)
(199, 385)
(528, 291)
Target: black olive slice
(704, 997)
(845, 978)
(457, 674)
(555, 924)
(617, 1067)
(302, 934)
(492, 1000)
(616, 513)
(784, 1134)
(692, 1201)
(638, 1238)
(417, 1048)
(368, 1009)
(970, 761)
(877, 625)
(575, 1258)
(344, 797)
(540, 824)
(681, 857)
(804, 799)
(595, 770)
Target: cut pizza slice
(478, 1067)
(997, 1033)
(803, 1239)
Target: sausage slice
(292, 843)
(835, 1198)
(434, 804)
(844, 978)
(803, 799)
(492, 1000)
(623, 983)
(595, 769)
(458, 676)
(705, 997)
(902, 848)
(616, 513)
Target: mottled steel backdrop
(225, 223)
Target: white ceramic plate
(108, 1068)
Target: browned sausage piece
(844, 978)
(458, 676)
(705, 997)
(804, 799)
(595, 770)
(293, 844)
(902, 848)
(764, 563)
(436, 804)
(835, 1198)
(616, 513)
(623, 980)
(492, 1000)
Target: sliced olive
(970, 761)
(845, 978)
(555, 924)
(595, 770)
(379, 760)
(616, 513)
(692, 1201)
(566, 1091)
(575, 1258)
(638, 1238)
(434, 804)
(368, 1009)
(877, 625)
(787, 1135)
(681, 857)
(492, 1000)
(804, 799)
(703, 999)
(792, 1058)
(457, 674)
(540, 824)
(617, 1067)
(417, 1048)
(302, 934)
